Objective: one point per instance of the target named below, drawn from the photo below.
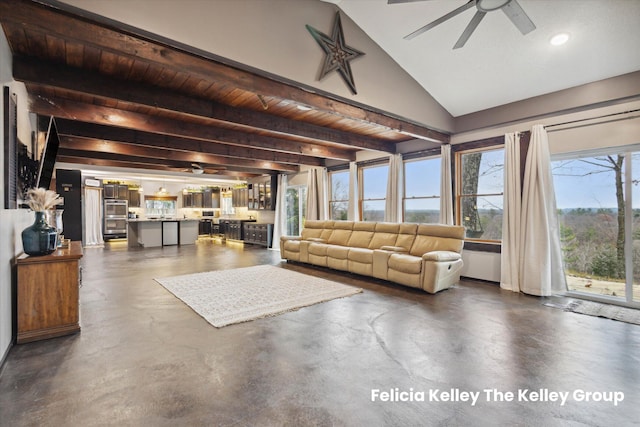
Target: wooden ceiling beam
(38, 72)
(96, 32)
(72, 110)
(118, 160)
(131, 165)
(129, 136)
(99, 145)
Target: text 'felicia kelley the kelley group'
(456, 395)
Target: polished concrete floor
(144, 358)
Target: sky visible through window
(589, 183)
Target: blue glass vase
(39, 238)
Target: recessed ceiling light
(559, 39)
(303, 107)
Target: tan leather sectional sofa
(424, 256)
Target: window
(339, 197)
(422, 190)
(480, 184)
(296, 205)
(597, 196)
(373, 192)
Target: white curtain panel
(353, 208)
(93, 217)
(541, 270)
(393, 203)
(279, 226)
(511, 231)
(312, 195)
(446, 191)
(323, 193)
(317, 190)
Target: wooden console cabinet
(48, 294)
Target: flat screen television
(49, 153)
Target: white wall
(12, 221)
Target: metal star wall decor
(337, 53)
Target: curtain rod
(593, 118)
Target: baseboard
(4, 357)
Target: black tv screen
(48, 159)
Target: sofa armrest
(441, 256)
(285, 238)
(394, 249)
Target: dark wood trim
(95, 147)
(63, 108)
(35, 71)
(432, 152)
(480, 143)
(138, 138)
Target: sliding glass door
(598, 201)
(296, 202)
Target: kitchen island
(153, 232)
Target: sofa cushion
(312, 229)
(386, 234)
(436, 237)
(406, 235)
(341, 233)
(361, 255)
(337, 252)
(405, 263)
(361, 234)
(319, 249)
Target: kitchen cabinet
(262, 194)
(233, 228)
(170, 233)
(239, 197)
(193, 199)
(188, 233)
(134, 198)
(258, 234)
(48, 294)
(204, 227)
(116, 191)
(196, 200)
(187, 200)
(211, 198)
(151, 233)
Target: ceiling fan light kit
(511, 8)
(559, 39)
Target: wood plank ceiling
(123, 97)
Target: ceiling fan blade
(517, 15)
(440, 20)
(470, 29)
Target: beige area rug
(232, 296)
(623, 314)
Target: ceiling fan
(511, 8)
(198, 169)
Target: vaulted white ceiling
(498, 65)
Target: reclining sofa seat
(424, 256)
